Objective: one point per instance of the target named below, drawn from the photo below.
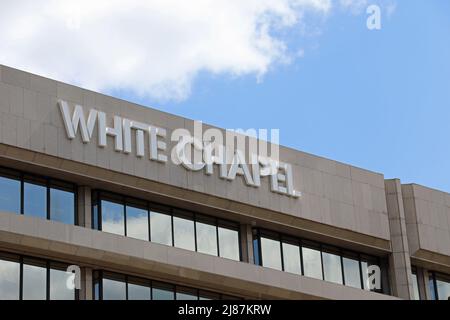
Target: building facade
(87, 180)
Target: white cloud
(153, 48)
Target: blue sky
(375, 99)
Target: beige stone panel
(43, 85)
(16, 97)
(9, 129)
(69, 93)
(23, 133)
(4, 98)
(16, 77)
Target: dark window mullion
(47, 282)
(300, 247)
(47, 186)
(217, 237)
(21, 278)
(195, 232)
(321, 262)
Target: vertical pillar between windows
(400, 270)
(86, 289)
(84, 207)
(246, 243)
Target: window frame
(45, 181)
(96, 217)
(321, 247)
(34, 261)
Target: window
(35, 200)
(113, 286)
(139, 291)
(34, 281)
(312, 263)
(161, 228)
(443, 289)
(137, 222)
(229, 243)
(183, 230)
(113, 219)
(42, 197)
(62, 206)
(319, 261)
(161, 291)
(271, 253)
(291, 258)
(186, 294)
(440, 286)
(114, 289)
(165, 225)
(58, 284)
(366, 263)
(9, 278)
(415, 282)
(332, 268)
(206, 238)
(9, 195)
(352, 273)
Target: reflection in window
(312, 263)
(352, 274)
(35, 200)
(186, 294)
(443, 289)
(9, 280)
(113, 217)
(183, 230)
(162, 292)
(62, 206)
(368, 281)
(114, 290)
(271, 253)
(229, 244)
(161, 228)
(138, 292)
(58, 287)
(291, 258)
(206, 238)
(34, 282)
(137, 223)
(9, 195)
(415, 282)
(332, 267)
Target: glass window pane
(162, 292)
(332, 268)
(229, 243)
(312, 263)
(113, 290)
(365, 264)
(416, 295)
(138, 292)
(443, 289)
(183, 233)
(113, 217)
(9, 195)
(432, 288)
(271, 253)
(34, 282)
(58, 285)
(137, 223)
(62, 206)
(352, 274)
(291, 258)
(35, 200)
(186, 294)
(206, 238)
(161, 228)
(9, 280)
